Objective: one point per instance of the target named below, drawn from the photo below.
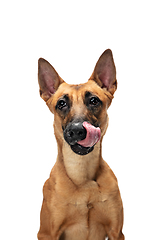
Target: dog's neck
(79, 168)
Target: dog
(81, 198)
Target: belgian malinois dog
(81, 197)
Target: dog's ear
(104, 73)
(48, 79)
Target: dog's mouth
(82, 137)
(78, 149)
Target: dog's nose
(74, 132)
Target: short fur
(81, 197)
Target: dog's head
(80, 110)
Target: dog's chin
(80, 150)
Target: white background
(72, 35)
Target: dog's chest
(84, 213)
(88, 195)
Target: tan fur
(81, 197)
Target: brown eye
(61, 104)
(94, 101)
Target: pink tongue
(92, 137)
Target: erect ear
(48, 79)
(104, 73)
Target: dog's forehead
(79, 90)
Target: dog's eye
(94, 101)
(61, 104)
